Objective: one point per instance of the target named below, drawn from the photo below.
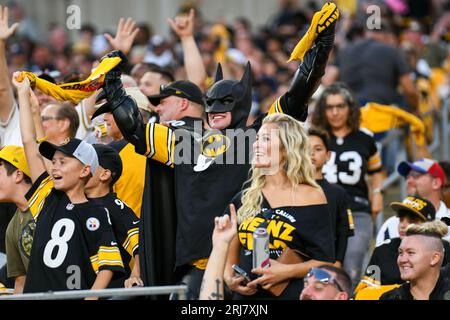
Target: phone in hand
(241, 272)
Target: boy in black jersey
(74, 246)
(124, 221)
(337, 198)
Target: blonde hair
(297, 164)
(435, 228)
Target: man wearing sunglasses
(326, 283)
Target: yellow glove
(321, 20)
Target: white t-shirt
(10, 130)
(389, 229)
(85, 127)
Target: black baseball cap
(417, 206)
(181, 88)
(109, 158)
(76, 148)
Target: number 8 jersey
(72, 241)
(352, 157)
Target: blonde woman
(284, 196)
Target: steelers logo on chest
(92, 224)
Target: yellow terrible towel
(73, 91)
(321, 20)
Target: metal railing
(104, 293)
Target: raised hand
(5, 30)
(225, 228)
(22, 83)
(183, 25)
(125, 34)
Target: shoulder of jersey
(366, 131)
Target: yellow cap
(15, 155)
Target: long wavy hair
(296, 163)
(319, 118)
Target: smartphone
(241, 272)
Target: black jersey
(72, 242)
(307, 229)
(125, 225)
(440, 291)
(352, 157)
(337, 199)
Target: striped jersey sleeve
(38, 193)
(276, 107)
(160, 143)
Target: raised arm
(6, 93)
(125, 34)
(183, 26)
(224, 232)
(27, 130)
(152, 140)
(310, 71)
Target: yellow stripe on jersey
(131, 243)
(106, 256)
(374, 163)
(200, 263)
(37, 200)
(160, 142)
(276, 107)
(366, 282)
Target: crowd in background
(399, 69)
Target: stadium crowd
(132, 159)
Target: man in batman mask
(209, 165)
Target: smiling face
(267, 147)
(219, 121)
(414, 257)
(67, 172)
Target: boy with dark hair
(336, 196)
(74, 245)
(124, 221)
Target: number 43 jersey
(352, 157)
(72, 242)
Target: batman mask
(231, 96)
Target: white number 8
(60, 241)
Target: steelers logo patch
(215, 145)
(92, 224)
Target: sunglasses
(323, 277)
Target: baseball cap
(180, 88)
(109, 159)
(76, 148)
(423, 165)
(140, 98)
(417, 206)
(15, 155)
